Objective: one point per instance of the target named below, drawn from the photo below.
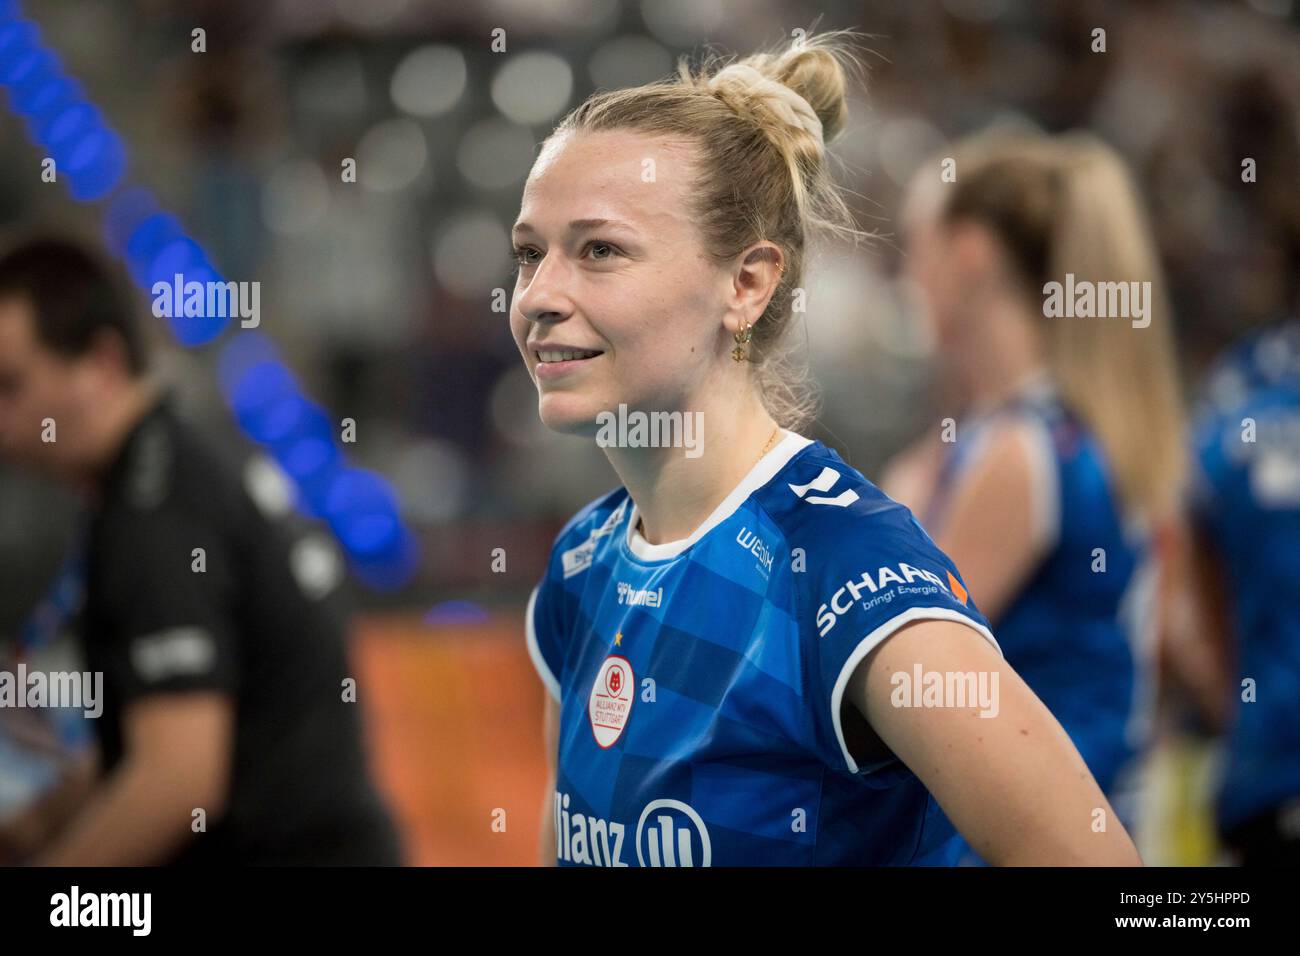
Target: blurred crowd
(381, 292)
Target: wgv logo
(755, 546)
(671, 833)
(579, 559)
(825, 482)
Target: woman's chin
(567, 415)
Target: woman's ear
(754, 280)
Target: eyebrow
(579, 225)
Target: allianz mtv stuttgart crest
(610, 703)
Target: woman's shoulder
(836, 516)
(858, 559)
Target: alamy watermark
(1103, 300)
(133, 911)
(79, 689)
(208, 300)
(960, 689)
(637, 429)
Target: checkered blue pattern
(739, 642)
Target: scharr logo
(870, 590)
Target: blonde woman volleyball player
(1065, 453)
(729, 639)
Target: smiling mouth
(549, 356)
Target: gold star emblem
(618, 639)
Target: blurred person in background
(713, 698)
(1239, 653)
(1246, 518)
(214, 614)
(1062, 463)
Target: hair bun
(780, 99)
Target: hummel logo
(825, 482)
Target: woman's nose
(545, 297)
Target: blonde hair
(1067, 204)
(760, 126)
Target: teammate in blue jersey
(1246, 504)
(1060, 450)
(752, 655)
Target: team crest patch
(611, 700)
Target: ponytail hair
(760, 126)
(1066, 205)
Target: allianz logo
(668, 833)
(754, 544)
(645, 597)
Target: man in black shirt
(214, 612)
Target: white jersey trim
(869, 643)
(763, 471)
(1046, 484)
(535, 650)
(1035, 440)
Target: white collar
(764, 470)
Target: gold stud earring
(742, 339)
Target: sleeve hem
(535, 650)
(868, 644)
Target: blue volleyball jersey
(1246, 496)
(1266, 358)
(1080, 631)
(700, 681)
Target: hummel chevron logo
(825, 482)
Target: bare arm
(1195, 637)
(177, 759)
(550, 733)
(1013, 784)
(991, 531)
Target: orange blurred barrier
(453, 721)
